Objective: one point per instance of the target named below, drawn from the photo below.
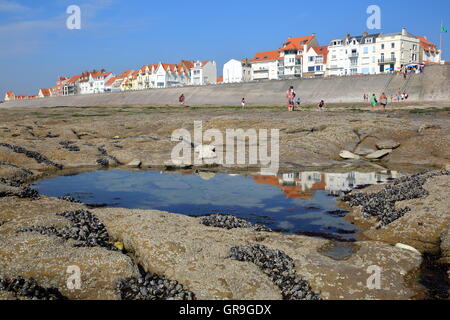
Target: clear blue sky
(36, 47)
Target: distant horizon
(117, 35)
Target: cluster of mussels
(280, 269)
(151, 286)
(29, 288)
(86, 229)
(69, 145)
(230, 222)
(382, 204)
(31, 154)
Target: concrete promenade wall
(432, 85)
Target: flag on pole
(444, 29)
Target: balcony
(387, 60)
(353, 55)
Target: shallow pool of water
(300, 203)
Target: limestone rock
(388, 144)
(379, 154)
(362, 151)
(406, 247)
(134, 164)
(428, 127)
(348, 155)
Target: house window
(310, 69)
(318, 68)
(392, 45)
(311, 59)
(366, 50)
(382, 46)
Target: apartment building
(353, 55)
(292, 52)
(284, 63)
(394, 50)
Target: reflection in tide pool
(293, 203)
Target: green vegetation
(77, 115)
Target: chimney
(347, 36)
(365, 34)
(404, 32)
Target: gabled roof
(266, 56)
(9, 93)
(100, 74)
(45, 92)
(321, 51)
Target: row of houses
(160, 75)
(297, 57)
(351, 55)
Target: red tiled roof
(45, 92)
(296, 43)
(111, 81)
(426, 44)
(126, 73)
(74, 78)
(266, 56)
(10, 93)
(321, 51)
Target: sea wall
(432, 85)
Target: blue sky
(36, 47)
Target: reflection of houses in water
(303, 185)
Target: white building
(169, 75)
(265, 65)
(237, 71)
(203, 73)
(315, 62)
(353, 55)
(9, 96)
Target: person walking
(321, 105)
(290, 96)
(181, 99)
(243, 102)
(383, 102)
(373, 102)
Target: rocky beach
(138, 254)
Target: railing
(387, 60)
(353, 55)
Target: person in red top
(290, 96)
(181, 99)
